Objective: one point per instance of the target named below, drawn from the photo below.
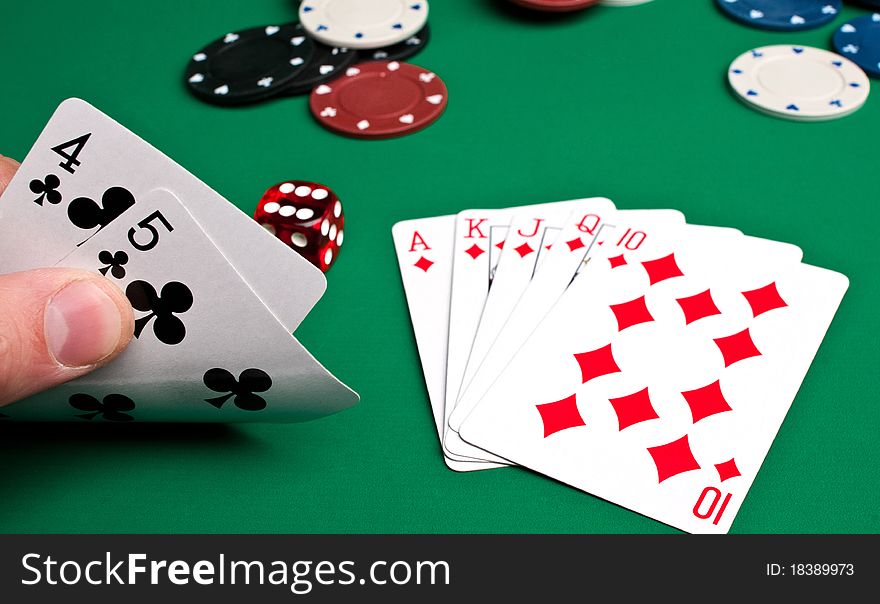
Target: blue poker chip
(859, 41)
(781, 15)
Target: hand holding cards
(630, 355)
(212, 325)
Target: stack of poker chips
(362, 43)
(269, 61)
(802, 83)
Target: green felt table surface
(629, 103)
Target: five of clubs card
(212, 338)
(626, 353)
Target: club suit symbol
(87, 213)
(243, 389)
(46, 189)
(111, 409)
(114, 263)
(175, 298)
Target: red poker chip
(558, 6)
(380, 99)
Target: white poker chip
(363, 24)
(798, 82)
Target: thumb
(57, 325)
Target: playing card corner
(74, 103)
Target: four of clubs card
(212, 338)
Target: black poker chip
(249, 65)
(326, 64)
(400, 51)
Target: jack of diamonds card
(661, 379)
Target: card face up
(86, 170)
(212, 324)
(424, 252)
(643, 360)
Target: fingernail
(83, 325)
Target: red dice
(307, 216)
